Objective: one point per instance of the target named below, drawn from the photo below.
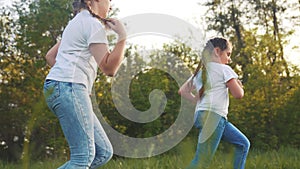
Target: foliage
(142, 80)
(268, 114)
(25, 41)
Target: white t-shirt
(74, 62)
(216, 96)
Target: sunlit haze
(189, 10)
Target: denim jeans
(217, 128)
(88, 142)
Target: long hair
(207, 52)
(78, 5)
(82, 4)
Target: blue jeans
(213, 129)
(88, 142)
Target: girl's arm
(236, 88)
(109, 62)
(51, 54)
(186, 91)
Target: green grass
(179, 158)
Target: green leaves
(269, 112)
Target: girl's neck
(215, 59)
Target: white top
(74, 62)
(216, 96)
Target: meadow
(179, 158)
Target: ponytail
(220, 42)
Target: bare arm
(109, 62)
(51, 54)
(236, 88)
(186, 91)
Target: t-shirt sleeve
(229, 73)
(96, 33)
(197, 81)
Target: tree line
(268, 114)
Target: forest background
(268, 114)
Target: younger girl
(212, 79)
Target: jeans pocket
(51, 90)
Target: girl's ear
(217, 51)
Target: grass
(179, 158)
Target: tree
(27, 35)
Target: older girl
(67, 89)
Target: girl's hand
(186, 91)
(51, 54)
(240, 83)
(118, 27)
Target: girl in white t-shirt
(211, 80)
(74, 63)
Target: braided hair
(78, 5)
(219, 42)
(81, 4)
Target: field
(284, 158)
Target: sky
(188, 10)
(182, 9)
